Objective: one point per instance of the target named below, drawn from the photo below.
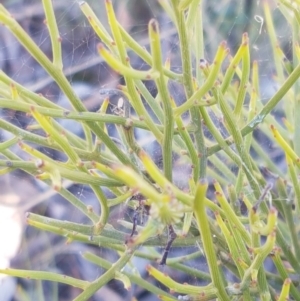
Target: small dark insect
(118, 109)
(143, 209)
(140, 211)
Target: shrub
(246, 215)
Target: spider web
(87, 72)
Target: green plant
(232, 241)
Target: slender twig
(172, 237)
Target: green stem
(244, 79)
(295, 31)
(23, 92)
(294, 178)
(49, 276)
(198, 32)
(194, 17)
(208, 245)
(284, 274)
(106, 277)
(288, 215)
(238, 139)
(139, 50)
(75, 176)
(134, 278)
(165, 97)
(71, 115)
(60, 79)
(268, 107)
(108, 230)
(54, 34)
(25, 135)
(133, 96)
(190, 146)
(199, 170)
(104, 208)
(65, 193)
